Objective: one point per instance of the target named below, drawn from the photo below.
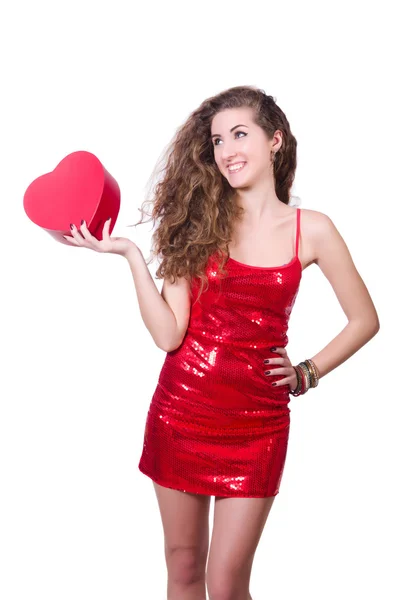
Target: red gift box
(78, 188)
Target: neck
(259, 202)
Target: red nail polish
(273, 384)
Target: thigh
(185, 523)
(237, 528)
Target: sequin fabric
(215, 425)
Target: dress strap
(298, 228)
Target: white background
(78, 519)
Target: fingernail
(82, 221)
(267, 372)
(71, 225)
(272, 349)
(273, 384)
(266, 361)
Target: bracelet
(307, 376)
(314, 370)
(300, 388)
(296, 391)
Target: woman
(218, 423)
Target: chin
(241, 184)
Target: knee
(185, 565)
(228, 585)
(223, 590)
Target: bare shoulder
(320, 234)
(328, 249)
(330, 252)
(315, 222)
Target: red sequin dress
(215, 425)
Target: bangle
(297, 390)
(312, 374)
(307, 376)
(314, 370)
(300, 387)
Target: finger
(71, 239)
(284, 381)
(282, 371)
(284, 353)
(87, 234)
(275, 361)
(105, 233)
(77, 236)
(280, 350)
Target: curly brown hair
(193, 201)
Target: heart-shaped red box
(78, 188)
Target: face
(238, 141)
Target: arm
(165, 315)
(333, 257)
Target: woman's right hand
(114, 245)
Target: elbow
(375, 324)
(366, 328)
(175, 342)
(174, 346)
(367, 323)
(376, 327)
(373, 328)
(168, 347)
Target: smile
(236, 168)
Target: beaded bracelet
(307, 376)
(315, 376)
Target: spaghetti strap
(298, 219)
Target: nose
(228, 152)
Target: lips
(242, 163)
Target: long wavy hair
(193, 202)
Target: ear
(277, 140)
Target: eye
(235, 133)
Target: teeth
(236, 167)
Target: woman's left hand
(286, 369)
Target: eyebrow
(218, 135)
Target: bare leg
(238, 526)
(186, 539)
